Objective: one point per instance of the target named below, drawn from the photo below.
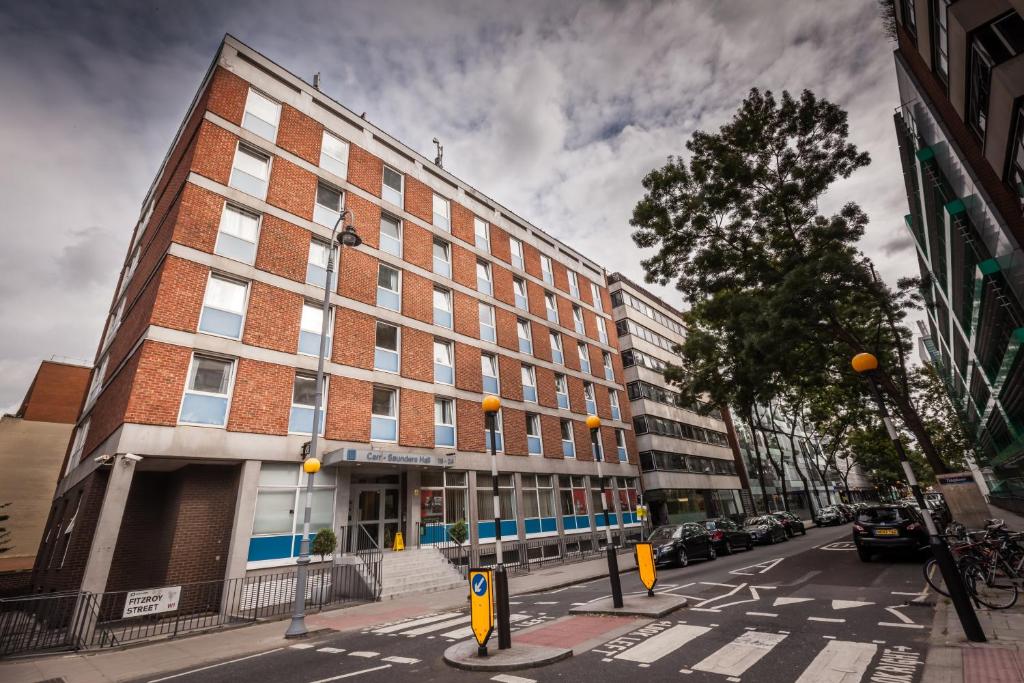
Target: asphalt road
(807, 610)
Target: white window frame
(557, 347)
(325, 215)
(547, 269)
(595, 294)
(447, 294)
(333, 251)
(533, 420)
(229, 207)
(486, 357)
(499, 436)
(386, 217)
(518, 259)
(484, 278)
(551, 307)
(521, 325)
(577, 319)
(443, 219)
(565, 385)
(620, 445)
(613, 401)
(318, 307)
(241, 314)
(562, 424)
(583, 351)
(395, 406)
(385, 189)
(522, 299)
(589, 404)
(609, 369)
(275, 124)
(450, 346)
(78, 444)
(529, 379)
(397, 292)
(323, 402)
(602, 330)
(492, 325)
(481, 237)
(331, 163)
(252, 152)
(96, 383)
(397, 350)
(446, 264)
(453, 425)
(574, 283)
(232, 365)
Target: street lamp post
(491, 406)
(347, 238)
(867, 365)
(594, 423)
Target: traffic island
(651, 606)
(520, 656)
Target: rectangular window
(525, 342)
(223, 307)
(940, 43)
(334, 155)
(602, 330)
(574, 497)
(483, 278)
(206, 393)
(620, 444)
(485, 497)
(444, 422)
(533, 440)
(489, 370)
(529, 384)
(300, 421)
(310, 327)
(389, 288)
(546, 269)
(562, 391)
(1017, 157)
(613, 399)
(551, 306)
(908, 17)
(442, 258)
(584, 355)
(78, 445)
(577, 319)
(482, 234)
(442, 213)
(281, 493)
(238, 234)
(516, 247)
(261, 115)
(393, 186)
(488, 332)
(538, 503)
(327, 208)
(390, 235)
(384, 415)
(442, 307)
(628, 498)
(556, 348)
(97, 380)
(606, 360)
(568, 443)
(519, 288)
(588, 398)
(497, 434)
(316, 269)
(385, 352)
(444, 368)
(574, 284)
(595, 294)
(250, 171)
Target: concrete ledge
(463, 656)
(634, 606)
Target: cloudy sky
(554, 109)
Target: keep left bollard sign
(481, 605)
(645, 565)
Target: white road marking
(400, 660)
(515, 603)
(576, 604)
(719, 597)
(827, 619)
(886, 623)
(841, 661)
(914, 594)
(829, 637)
(704, 609)
(762, 566)
(505, 678)
(742, 653)
(416, 622)
(666, 642)
(789, 601)
(554, 602)
(441, 625)
(878, 642)
(300, 646)
(467, 631)
(899, 615)
(365, 654)
(331, 650)
(352, 673)
(214, 666)
(723, 585)
(761, 614)
(685, 671)
(847, 604)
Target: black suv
(829, 516)
(791, 523)
(765, 529)
(680, 543)
(728, 536)
(885, 528)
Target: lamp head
(593, 421)
(491, 404)
(864, 362)
(349, 237)
(311, 465)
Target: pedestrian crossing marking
(666, 642)
(505, 678)
(734, 658)
(838, 662)
(331, 650)
(301, 646)
(400, 660)
(827, 620)
(365, 654)
(415, 622)
(437, 626)
(789, 601)
(467, 631)
(847, 604)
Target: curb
(463, 656)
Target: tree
(739, 220)
(5, 535)
(324, 543)
(940, 417)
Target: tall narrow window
(562, 391)
(602, 330)
(538, 504)
(519, 288)
(556, 348)
(533, 441)
(310, 328)
(316, 268)
(442, 213)
(250, 171)
(574, 284)
(389, 288)
(516, 247)
(483, 278)
(588, 398)
(385, 351)
(300, 421)
(442, 307)
(78, 445)
(261, 115)
(327, 208)
(546, 270)
(577, 319)
(334, 155)
(584, 355)
(488, 331)
(390, 235)
(97, 380)
(498, 443)
(613, 399)
(238, 234)
(223, 307)
(907, 16)
(444, 422)
(525, 341)
(568, 444)
(529, 384)
(573, 496)
(442, 257)
(206, 393)
(384, 415)
(482, 234)
(595, 294)
(606, 360)
(551, 307)
(392, 186)
(1017, 157)
(620, 445)
(489, 371)
(444, 368)
(940, 42)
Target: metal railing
(522, 556)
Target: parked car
(848, 512)
(791, 523)
(937, 507)
(727, 535)
(888, 528)
(680, 543)
(765, 529)
(830, 516)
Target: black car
(728, 536)
(886, 528)
(680, 543)
(848, 512)
(791, 523)
(829, 516)
(765, 529)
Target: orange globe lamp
(311, 465)
(864, 362)
(593, 421)
(491, 404)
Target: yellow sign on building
(481, 605)
(645, 565)
(399, 542)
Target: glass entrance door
(376, 516)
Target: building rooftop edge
(619, 277)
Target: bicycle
(984, 564)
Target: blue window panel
(487, 333)
(390, 244)
(442, 318)
(270, 548)
(444, 373)
(484, 286)
(204, 410)
(315, 275)
(599, 518)
(442, 267)
(259, 126)
(301, 420)
(568, 449)
(622, 455)
(629, 518)
(236, 248)
(533, 526)
(309, 342)
(530, 394)
(591, 408)
(556, 357)
(325, 216)
(533, 445)
(487, 439)
(491, 385)
(434, 533)
(616, 415)
(508, 528)
(240, 180)
(392, 195)
(297, 543)
(388, 299)
(385, 360)
(582, 522)
(220, 322)
(517, 261)
(444, 435)
(579, 327)
(485, 529)
(526, 346)
(521, 302)
(384, 429)
(563, 401)
(585, 366)
(552, 315)
(548, 524)
(569, 522)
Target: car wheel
(712, 555)
(750, 544)
(681, 559)
(771, 539)
(789, 533)
(785, 537)
(727, 548)
(864, 555)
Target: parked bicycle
(991, 562)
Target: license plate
(886, 532)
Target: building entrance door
(375, 513)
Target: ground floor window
(627, 500)
(595, 499)
(443, 502)
(726, 502)
(539, 504)
(674, 506)
(573, 498)
(485, 505)
(280, 501)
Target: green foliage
(459, 531)
(940, 417)
(324, 543)
(5, 535)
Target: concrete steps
(418, 570)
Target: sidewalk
(954, 659)
(159, 656)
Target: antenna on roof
(439, 159)
(316, 80)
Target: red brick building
(205, 372)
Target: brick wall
(551, 434)
(262, 396)
(468, 374)
(272, 318)
(283, 248)
(56, 393)
(347, 416)
(462, 223)
(48, 574)
(513, 427)
(416, 419)
(300, 135)
(180, 297)
(418, 357)
(354, 336)
(419, 199)
(365, 170)
(417, 297)
(470, 431)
